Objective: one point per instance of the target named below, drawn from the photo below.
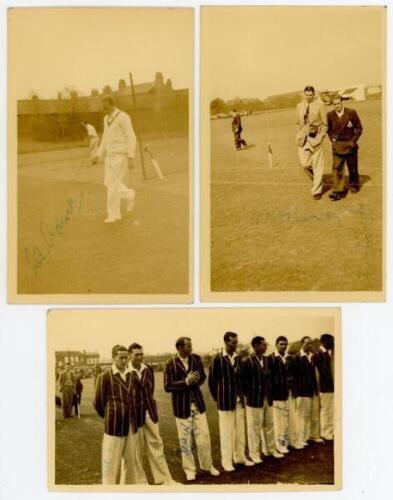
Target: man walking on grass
(118, 144)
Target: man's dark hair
(181, 341)
(281, 338)
(337, 96)
(117, 348)
(304, 338)
(327, 340)
(256, 341)
(229, 335)
(109, 100)
(133, 346)
(309, 88)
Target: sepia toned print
(194, 399)
(100, 149)
(293, 153)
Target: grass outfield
(268, 234)
(78, 450)
(64, 245)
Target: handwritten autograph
(38, 255)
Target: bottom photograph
(194, 399)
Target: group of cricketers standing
(267, 405)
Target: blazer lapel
(125, 384)
(179, 363)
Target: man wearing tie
(259, 410)
(323, 360)
(142, 381)
(311, 130)
(118, 144)
(183, 376)
(225, 388)
(344, 130)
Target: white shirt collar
(234, 355)
(340, 113)
(116, 371)
(277, 354)
(322, 348)
(132, 368)
(302, 353)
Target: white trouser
(195, 425)
(115, 169)
(327, 415)
(116, 448)
(284, 418)
(151, 440)
(232, 436)
(315, 160)
(93, 146)
(307, 410)
(260, 431)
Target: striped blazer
(323, 363)
(113, 402)
(305, 377)
(255, 382)
(183, 394)
(281, 377)
(143, 391)
(225, 382)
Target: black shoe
(335, 196)
(354, 189)
(317, 196)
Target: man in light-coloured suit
(311, 122)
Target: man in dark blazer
(183, 376)
(323, 360)
(237, 129)
(258, 398)
(114, 402)
(67, 384)
(307, 402)
(226, 390)
(142, 381)
(344, 130)
(280, 365)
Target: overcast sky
(88, 48)
(262, 51)
(157, 330)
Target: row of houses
(153, 106)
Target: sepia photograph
(100, 154)
(293, 152)
(194, 399)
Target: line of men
(343, 127)
(265, 403)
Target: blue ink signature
(38, 255)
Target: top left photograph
(100, 148)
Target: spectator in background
(237, 130)
(97, 370)
(78, 389)
(323, 360)
(67, 384)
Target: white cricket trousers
(195, 425)
(285, 425)
(260, 431)
(115, 169)
(232, 436)
(93, 146)
(150, 439)
(327, 415)
(116, 448)
(315, 160)
(307, 410)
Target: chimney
(122, 85)
(159, 79)
(107, 90)
(168, 84)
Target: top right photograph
(293, 153)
